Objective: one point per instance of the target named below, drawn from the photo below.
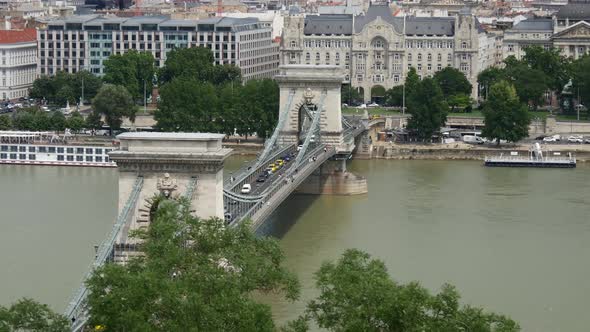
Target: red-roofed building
(18, 62)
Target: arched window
(293, 43)
(429, 57)
(378, 43)
(463, 44)
(419, 56)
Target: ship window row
(53, 149)
(23, 156)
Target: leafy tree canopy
(29, 315)
(5, 122)
(452, 82)
(428, 109)
(505, 116)
(357, 294)
(114, 102)
(64, 87)
(196, 275)
(133, 70)
(197, 63)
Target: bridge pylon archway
(306, 84)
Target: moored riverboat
(48, 149)
(535, 158)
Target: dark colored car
(261, 178)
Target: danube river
(516, 241)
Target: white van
(246, 188)
(472, 139)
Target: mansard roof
(338, 24)
(328, 25)
(375, 11)
(534, 24)
(430, 26)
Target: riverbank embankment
(463, 151)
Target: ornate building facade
(375, 51)
(568, 30)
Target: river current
(515, 241)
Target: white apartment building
(376, 50)
(18, 62)
(85, 42)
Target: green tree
(581, 80)
(428, 109)
(394, 96)
(489, 77)
(230, 105)
(550, 62)
(461, 101)
(196, 275)
(24, 120)
(187, 105)
(223, 74)
(93, 121)
(57, 121)
(452, 82)
(29, 315)
(412, 81)
(260, 108)
(89, 81)
(43, 88)
(194, 62)
(350, 95)
(131, 70)
(357, 294)
(114, 102)
(75, 122)
(5, 122)
(505, 117)
(530, 84)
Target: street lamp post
(144, 98)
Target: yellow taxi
(279, 162)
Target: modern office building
(18, 62)
(375, 50)
(85, 42)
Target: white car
(587, 141)
(549, 139)
(361, 106)
(373, 105)
(575, 139)
(246, 188)
(299, 147)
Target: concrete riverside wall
(450, 153)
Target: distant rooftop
(578, 9)
(534, 25)
(17, 36)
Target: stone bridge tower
(301, 84)
(172, 164)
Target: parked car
(587, 141)
(550, 139)
(373, 105)
(472, 139)
(575, 139)
(362, 106)
(246, 188)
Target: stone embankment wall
(334, 183)
(466, 152)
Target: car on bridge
(279, 162)
(246, 188)
(261, 178)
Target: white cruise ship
(45, 148)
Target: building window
(79, 158)
(463, 44)
(409, 57)
(396, 78)
(464, 67)
(510, 48)
(378, 43)
(327, 58)
(293, 43)
(359, 78)
(449, 57)
(439, 57)
(429, 67)
(419, 56)
(307, 57)
(419, 66)
(429, 57)
(438, 67)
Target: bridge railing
(76, 310)
(247, 172)
(292, 173)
